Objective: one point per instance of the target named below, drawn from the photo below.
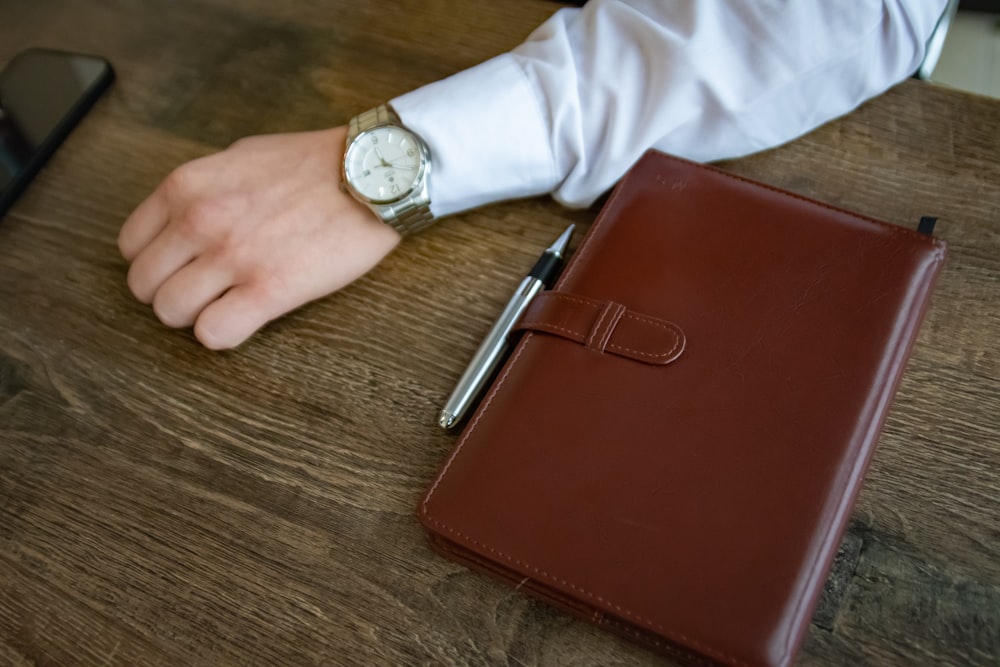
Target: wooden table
(163, 504)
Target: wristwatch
(386, 168)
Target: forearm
(569, 110)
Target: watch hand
(382, 159)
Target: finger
(179, 189)
(186, 293)
(235, 316)
(163, 257)
(144, 224)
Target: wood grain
(161, 504)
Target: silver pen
(492, 349)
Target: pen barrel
(491, 350)
(547, 268)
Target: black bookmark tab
(926, 225)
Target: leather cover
(674, 446)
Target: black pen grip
(547, 268)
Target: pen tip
(561, 243)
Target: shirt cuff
(486, 134)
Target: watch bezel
(415, 186)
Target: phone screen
(43, 94)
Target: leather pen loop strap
(604, 326)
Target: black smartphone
(43, 95)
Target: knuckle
(242, 142)
(270, 289)
(178, 183)
(227, 254)
(200, 220)
(213, 218)
(250, 141)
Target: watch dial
(383, 163)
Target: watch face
(384, 163)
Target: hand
(231, 241)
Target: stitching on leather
(602, 218)
(610, 329)
(580, 336)
(631, 175)
(545, 326)
(659, 644)
(475, 422)
(889, 227)
(672, 329)
(597, 325)
(593, 596)
(598, 617)
(592, 303)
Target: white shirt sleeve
(572, 108)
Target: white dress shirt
(572, 108)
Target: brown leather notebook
(674, 446)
